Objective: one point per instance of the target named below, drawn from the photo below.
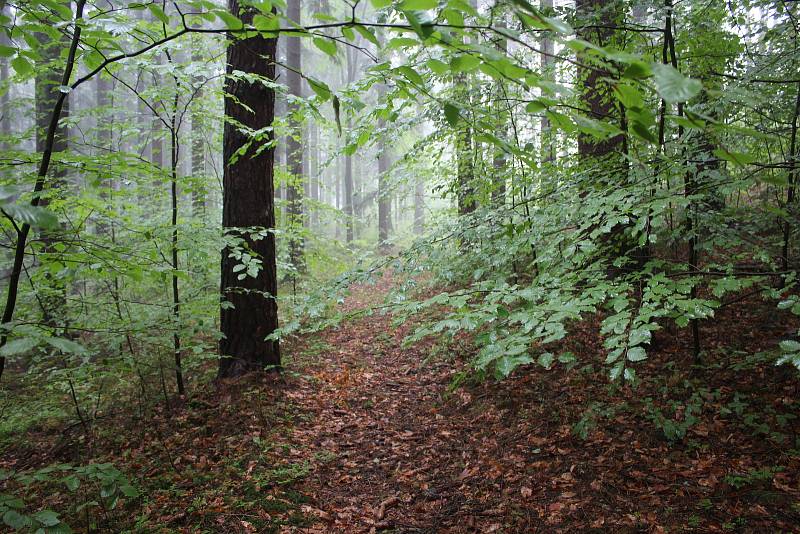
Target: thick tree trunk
(599, 16)
(249, 312)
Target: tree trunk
(503, 116)
(547, 60)
(52, 294)
(249, 311)
(294, 146)
(103, 92)
(5, 100)
(348, 196)
(198, 150)
(384, 198)
(41, 177)
(419, 206)
(465, 171)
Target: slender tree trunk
(5, 100)
(249, 311)
(52, 292)
(41, 176)
(198, 147)
(294, 146)
(547, 60)
(790, 191)
(419, 205)
(465, 169)
(103, 95)
(384, 198)
(503, 114)
(348, 196)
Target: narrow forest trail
(387, 450)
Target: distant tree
(294, 141)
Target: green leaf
(367, 34)
(643, 132)
(18, 346)
(266, 23)
(790, 345)
(47, 518)
(7, 51)
(231, 21)
(546, 360)
(158, 13)
(557, 25)
(737, 158)
(378, 4)
(636, 354)
(439, 67)
(629, 96)
(401, 42)
(464, 63)
(66, 345)
(506, 364)
(674, 86)
(452, 114)
(320, 88)
(535, 106)
(15, 520)
(412, 75)
(129, 491)
(36, 216)
(567, 357)
(22, 66)
(418, 5)
(616, 371)
(326, 45)
(637, 70)
(72, 482)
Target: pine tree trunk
(248, 201)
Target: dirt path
(389, 458)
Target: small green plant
(108, 485)
(752, 477)
(677, 419)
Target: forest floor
(362, 435)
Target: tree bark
(249, 312)
(384, 197)
(294, 146)
(198, 149)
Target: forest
(404, 266)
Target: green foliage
(107, 487)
